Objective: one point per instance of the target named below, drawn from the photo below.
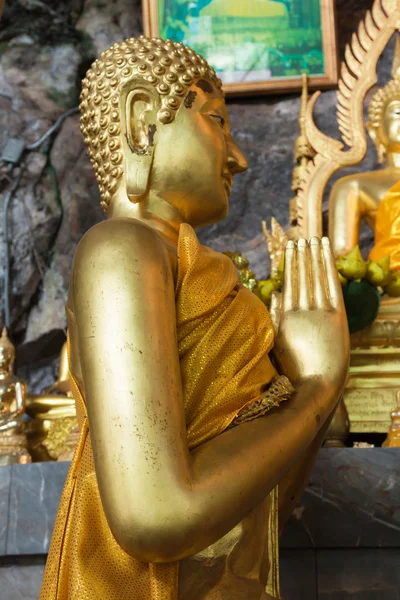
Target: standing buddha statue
(193, 446)
(13, 444)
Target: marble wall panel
(363, 574)
(352, 500)
(5, 478)
(298, 574)
(21, 578)
(34, 499)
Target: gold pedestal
(13, 449)
(70, 444)
(374, 374)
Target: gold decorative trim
(280, 390)
(56, 440)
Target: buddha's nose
(237, 162)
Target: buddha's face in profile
(384, 121)
(195, 157)
(389, 131)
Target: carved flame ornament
(358, 75)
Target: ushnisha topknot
(169, 66)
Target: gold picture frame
(272, 65)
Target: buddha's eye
(220, 119)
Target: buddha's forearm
(344, 217)
(293, 483)
(230, 475)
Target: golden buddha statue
(374, 374)
(13, 445)
(375, 360)
(356, 197)
(52, 431)
(393, 437)
(192, 444)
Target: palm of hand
(312, 339)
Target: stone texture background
(45, 48)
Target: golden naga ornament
(13, 444)
(277, 238)
(170, 364)
(358, 75)
(303, 154)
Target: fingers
(289, 300)
(319, 288)
(303, 274)
(334, 287)
(275, 310)
(310, 276)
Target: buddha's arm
(161, 501)
(344, 216)
(293, 483)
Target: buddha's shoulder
(121, 236)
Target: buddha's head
(156, 126)
(7, 353)
(384, 113)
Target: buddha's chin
(217, 214)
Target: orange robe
(224, 337)
(387, 229)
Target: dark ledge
(352, 500)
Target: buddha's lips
(227, 177)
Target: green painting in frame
(254, 45)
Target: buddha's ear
(138, 121)
(373, 134)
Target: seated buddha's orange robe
(387, 229)
(224, 336)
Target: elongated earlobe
(139, 139)
(373, 134)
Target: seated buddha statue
(52, 430)
(193, 445)
(373, 197)
(355, 198)
(13, 444)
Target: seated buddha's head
(156, 126)
(384, 113)
(7, 353)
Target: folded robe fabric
(387, 229)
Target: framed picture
(254, 45)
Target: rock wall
(45, 48)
